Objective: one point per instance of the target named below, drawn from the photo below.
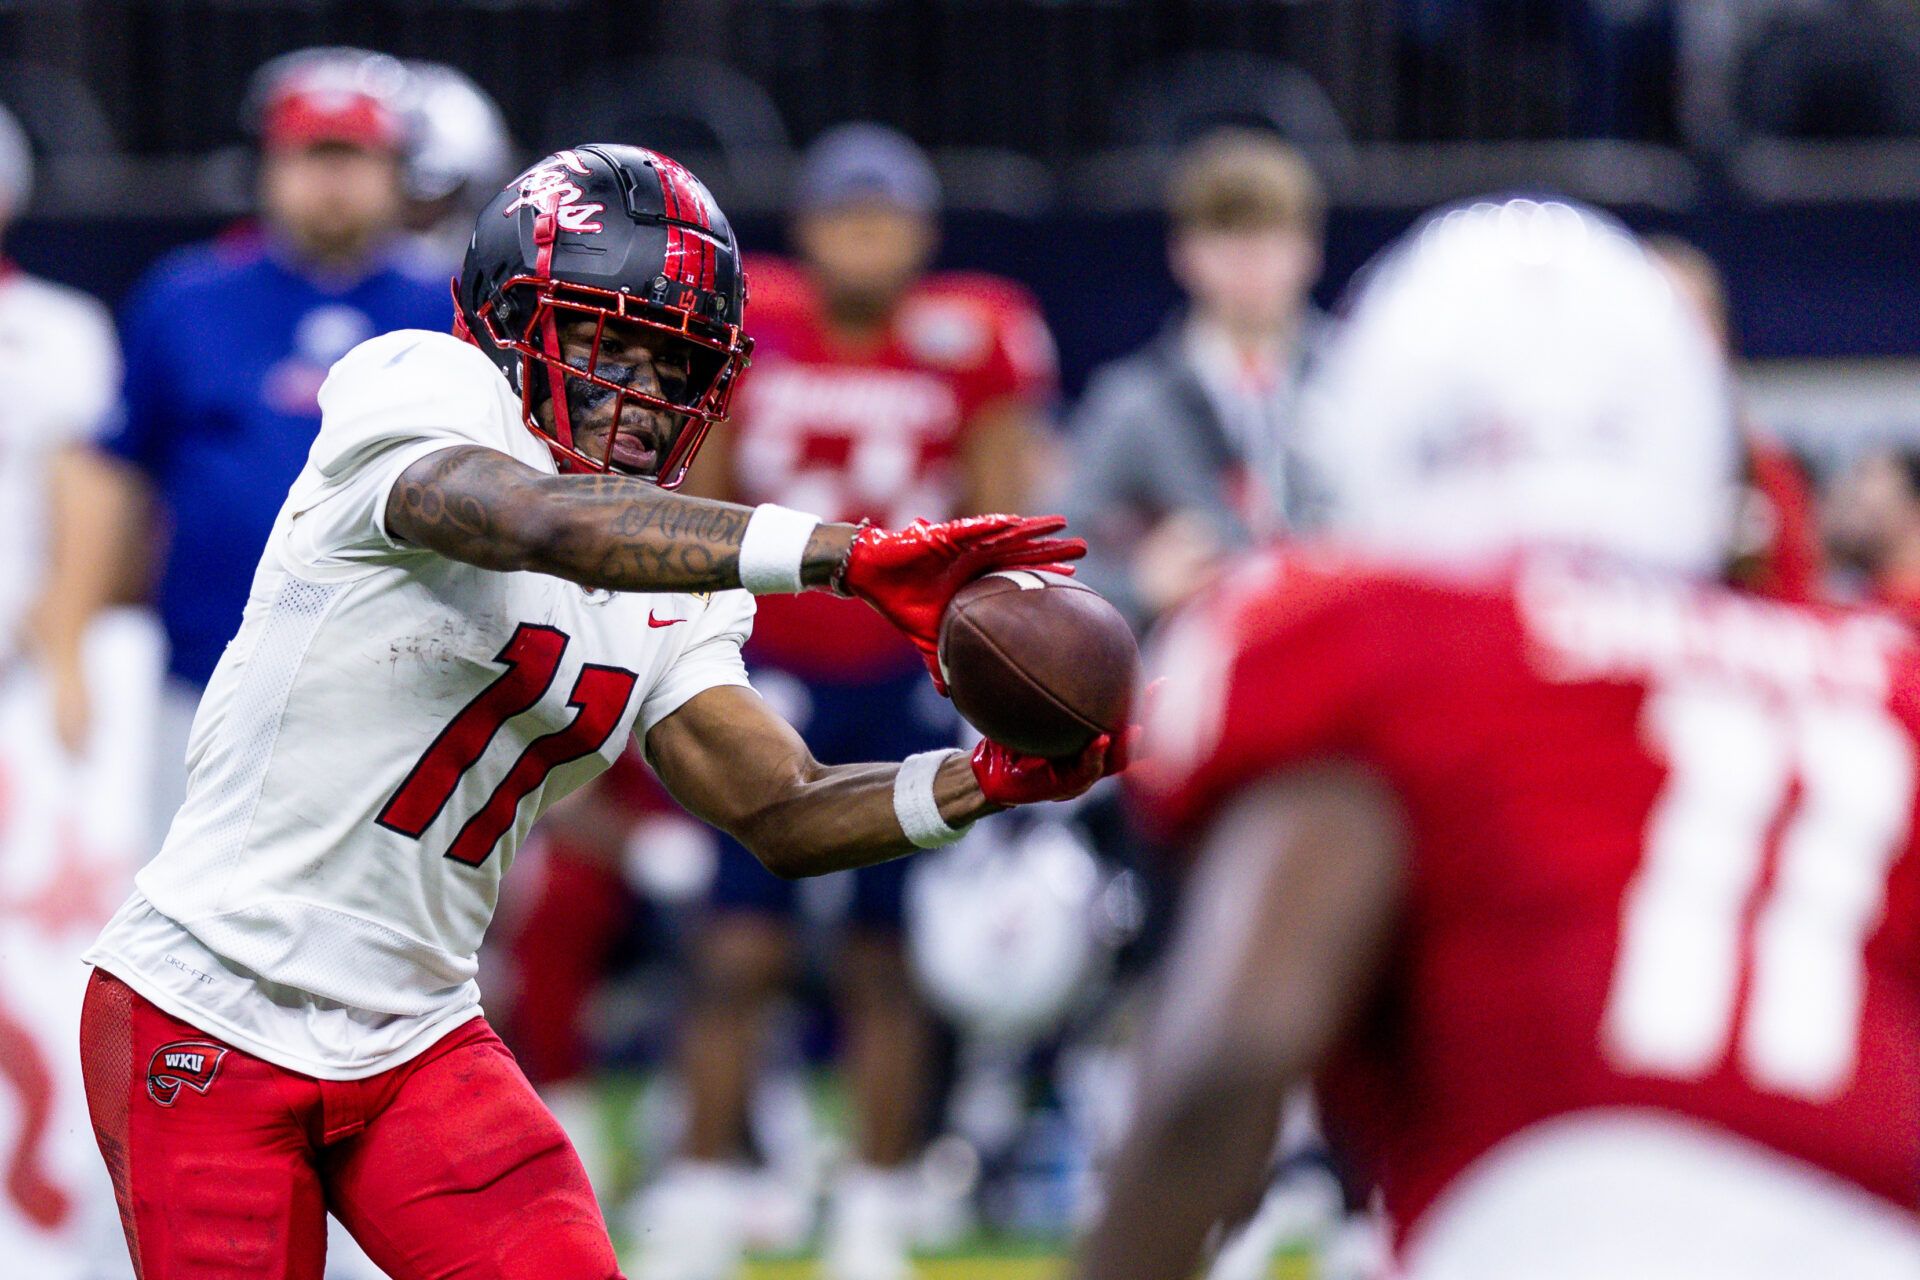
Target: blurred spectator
(462, 154)
(1873, 526)
(878, 390)
(1777, 547)
(1182, 449)
(227, 344)
(59, 369)
(1700, 284)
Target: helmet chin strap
(546, 228)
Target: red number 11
(532, 659)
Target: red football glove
(910, 575)
(1009, 778)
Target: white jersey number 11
(1733, 759)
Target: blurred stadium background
(1780, 137)
(1779, 134)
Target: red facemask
(718, 355)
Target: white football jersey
(382, 732)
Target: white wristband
(773, 548)
(914, 804)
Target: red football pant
(448, 1166)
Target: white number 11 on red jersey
(1834, 778)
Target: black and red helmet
(614, 233)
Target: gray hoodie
(1149, 440)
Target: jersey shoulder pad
(993, 293)
(411, 384)
(1284, 661)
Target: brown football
(1037, 661)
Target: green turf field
(986, 1264)
(985, 1267)
(986, 1259)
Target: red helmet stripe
(676, 261)
(680, 200)
(546, 230)
(687, 204)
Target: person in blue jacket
(226, 346)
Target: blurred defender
(1587, 887)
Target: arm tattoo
(436, 504)
(482, 507)
(630, 536)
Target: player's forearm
(612, 532)
(1194, 1160)
(1284, 923)
(625, 535)
(843, 816)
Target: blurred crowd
(881, 1061)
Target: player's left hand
(1008, 778)
(910, 575)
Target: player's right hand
(1008, 778)
(910, 575)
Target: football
(1037, 661)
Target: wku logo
(549, 187)
(193, 1063)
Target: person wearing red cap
(333, 138)
(226, 346)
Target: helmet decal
(547, 187)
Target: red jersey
(870, 432)
(1661, 851)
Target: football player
(478, 588)
(1584, 886)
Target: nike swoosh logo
(661, 622)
